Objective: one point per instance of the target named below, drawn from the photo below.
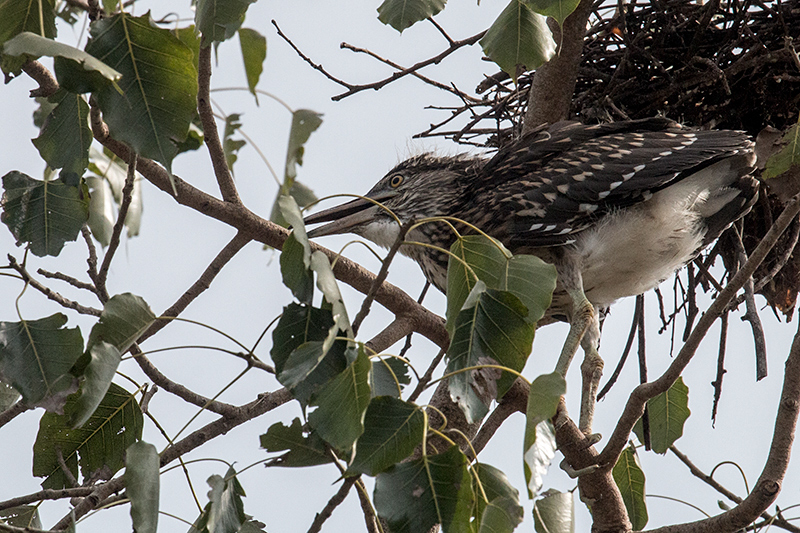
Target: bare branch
(48, 85)
(51, 294)
(47, 494)
(210, 134)
(332, 504)
(78, 284)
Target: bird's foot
(574, 473)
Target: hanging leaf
(342, 402)
(526, 276)
(254, 52)
(491, 329)
(98, 447)
(36, 357)
(389, 375)
(46, 214)
(668, 413)
(65, 137)
(101, 209)
(519, 40)
(76, 71)
(224, 512)
(142, 485)
(629, 477)
(103, 360)
(218, 20)
(392, 431)
(540, 442)
(231, 146)
(434, 489)
(123, 320)
(296, 254)
(302, 450)
(159, 85)
(18, 16)
(497, 508)
(554, 512)
(402, 14)
(558, 9)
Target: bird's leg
(591, 370)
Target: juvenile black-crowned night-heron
(617, 208)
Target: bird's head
(420, 187)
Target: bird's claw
(573, 473)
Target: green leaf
(188, 35)
(123, 320)
(231, 146)
(23, 516)
(104, 359)
(389, 374)
(254, 52)
(558, 9)
(296, 253)
(46, 214)
(326, 282)
(17, 16)
(519, 40)
(490, 330)
(392, 431)
(65, 137)
(224, 512)
(8, 396)
(342, 403)
(668, 413)
(98, 446)
(540, 444)
(302, 450)
(83, 71)
(36, 357)
(434, 489)
(787, 157)
(554, 512)
(526, 276)
(497, 507)
(300, 324)
(402, 14)
(142, 485)
(218, 20)
(629, 477)
(159, 85)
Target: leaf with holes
(490, 330)
(36, 357)
(98, 447)
(629, 477)
(519, 39)
(159, 85)
(224, 511)
(402, 14)
(668, 413)
(392, 431)
(434, 489)
(45, 214)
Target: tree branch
(51, 294)
(48, 85)
(210, 134)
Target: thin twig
(643, 369)
(623, 357)
(332, 504)
(47, 494)
(68, 279)
(751, 312)
(426, 378)
(116, 233)
(51, 294)
(717, 383)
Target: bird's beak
(343, 218)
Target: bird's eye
(395, 181)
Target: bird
(616, 207)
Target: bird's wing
(559, 180)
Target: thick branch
(47, 82)
(554, 82)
